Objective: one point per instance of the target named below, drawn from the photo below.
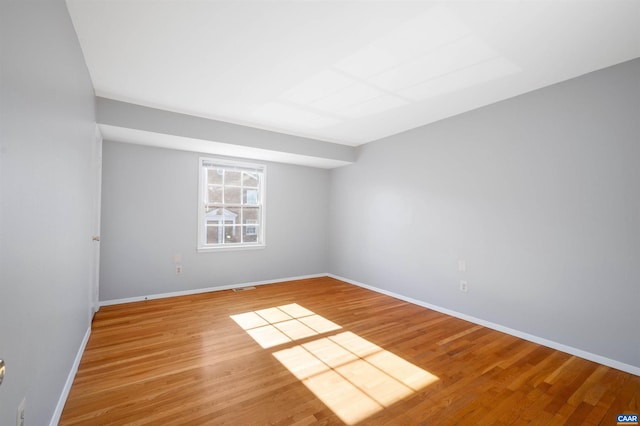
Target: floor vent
(243, 289)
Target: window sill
(231, 248)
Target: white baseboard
(526, 336)
(204, 290)
(72, 374)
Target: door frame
(97, 205)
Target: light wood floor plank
(184, 360)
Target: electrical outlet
(464, 286)
(178, 269)
(20, 412)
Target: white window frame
(205, 163)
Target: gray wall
(47, 188)
(540, 195)
(149, 214)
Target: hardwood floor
(321, 351)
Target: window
(231, 205)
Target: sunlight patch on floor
(352, 376)
(281, 324)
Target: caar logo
(627, 419)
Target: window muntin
(231, 205)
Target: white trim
(72, 375)
(95, 245)
(206, 290)
(526, 336)
(232, 247)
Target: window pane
(215, 194)
(250, 196)
(215, 175)
(232, 195)
(232, 178)
(250, 214)
(232, 234)
(250, 179)
(216, 215)
(250, 234)
(233, 215)
(214, 235)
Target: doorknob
(2, 368)
(95, 238)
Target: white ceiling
(348, 72)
